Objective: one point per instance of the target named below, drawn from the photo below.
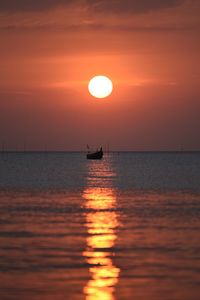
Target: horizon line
(107, 152)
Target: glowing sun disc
(100, 86)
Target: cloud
(31, 5)
(115, 6)
(100, 27)
(131, 6)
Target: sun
(100, 86)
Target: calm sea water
(126, 227)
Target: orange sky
(49, 50)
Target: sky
(49, 50)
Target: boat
(95, 155)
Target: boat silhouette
(95, 155)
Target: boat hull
(95, 155)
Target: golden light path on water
(101, 223)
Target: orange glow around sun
(100, 86)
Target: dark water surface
(126, 227)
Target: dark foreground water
(126, 227)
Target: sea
(126, 227)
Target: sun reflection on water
(101, 223)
